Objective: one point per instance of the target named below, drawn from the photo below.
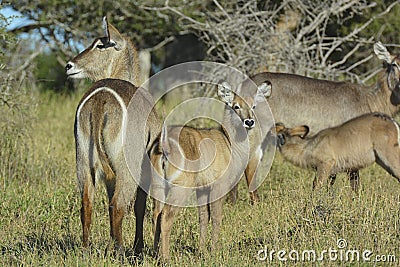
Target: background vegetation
(39, 214)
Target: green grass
(40, 225)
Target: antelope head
(290, 135)
(244, 105)
(392, 65)
(101, 58)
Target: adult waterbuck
(208, 162)
(298, 100)
(103, 128)
(357, 143)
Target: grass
(40, 225)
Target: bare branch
(161, 44)
(173, 10)
(26, 64)
(222, 9)
(289, 36)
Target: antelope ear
(105, 28)
(300, 131)
(382, 53)
(113, 35)
(279, 127)
(225, 93)
(263, 91)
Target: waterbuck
(298, 100)
(111, 56)
(102, 119)
(246, 106)
(209, 161)
(355, 144)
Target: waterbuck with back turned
(209, 161)
(357, 143)
(101, 132)
(298, 100)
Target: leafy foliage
(7, 40)
(50, 74)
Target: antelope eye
(104, 45)
(281, 139)
(236, 106)
(253, 107)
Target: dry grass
(40, 225)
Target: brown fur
(245, 106)
(197, 145)
(355, 144)
(189, 141)
(320, 104)
(98, 131)
(113, 57)
(99, 153)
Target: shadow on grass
(39, 245)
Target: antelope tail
(98, 125)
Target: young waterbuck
(245, 106)
(210, 161)
(103, 128)
(357, 143)
(320, 104)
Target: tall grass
(17, 109)
(40, 225)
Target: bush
(16, 112)
(50, 74)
